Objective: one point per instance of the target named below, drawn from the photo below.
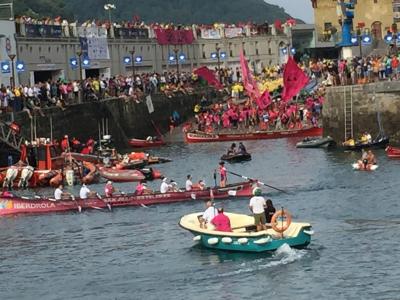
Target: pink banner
(174, 37)
(209, 76)
(248, 81)
(294, 79)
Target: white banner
(210, 34)
(233, 32)
(149, 103)
(98, 48)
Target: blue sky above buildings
(301, 9)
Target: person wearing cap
(189, 183)
(164, 186)
(257, 206)
(222, 221)
(223, 174)
(109, 189)
(210, 213)
(84, 192)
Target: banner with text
(174, 37)
(34, 30)
(94, 42)
(210, 34)
(132, 33)
(233, 32)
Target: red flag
(264, 101)
(294, 79)
(248, 81)
(209, 76)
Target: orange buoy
(281, 226)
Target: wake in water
(282, 256)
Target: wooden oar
(73, 199)
(106, 203)
(247, 178)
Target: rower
(189, 184)
(164, 186)
(140, 188)
(242, 148)
(223, 174)
(109, 189)
(232, 149)
(59, 194)
(173, 186)
(84, 193)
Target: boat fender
(309, 232)
(226, 240)
(197, 238)
(243, 241)
(232, 193)
(212, 241)
(263, 241)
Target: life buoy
(279, 226)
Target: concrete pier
(370, 103)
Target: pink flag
(264, 101)
(208, 76)
(294, 79)
(249, 83)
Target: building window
(269, 51)
(256, 51)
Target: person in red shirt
(221, 221)
(65, 144)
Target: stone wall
(369, 101)
(125, 119)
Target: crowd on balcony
(219, 30)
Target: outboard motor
(11, 174)
(26, 175)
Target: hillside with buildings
(177, 11)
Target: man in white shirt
(58, 193)
(257, 206)
(189, 184)
(208, 215)
(84, 192)
(164, 186)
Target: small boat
(360, 167)
(392, 152)
(308, 142)
(380, 142)
(19, 205)
(237, 157)
(121, 175)
(138, 143)
(244, 238)
(202, 137)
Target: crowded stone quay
(159, 159)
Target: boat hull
(137, 143)
(316, 143)
(382, 143)
(392, 152)
(16, 205)
(236, 157)
(258, 135)
(300, 241)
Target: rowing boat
(202, 137)
(392, 152)
(138, 143)
(19, 205)
(236, 157)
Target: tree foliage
(177, 11)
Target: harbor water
(142, 253)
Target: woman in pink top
(221, 222)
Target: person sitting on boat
(223, 174)
(222, 221)
(257, 205)
(350, 142)
(173, 186)
(164, 186)
(189, 184)
(84, 192)
(140, 188)
(59, 194)
(208, 214)
(202, 185)
(269, 211)
(232, 150)
(109, 189)
(371, 158)
(242, 148)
